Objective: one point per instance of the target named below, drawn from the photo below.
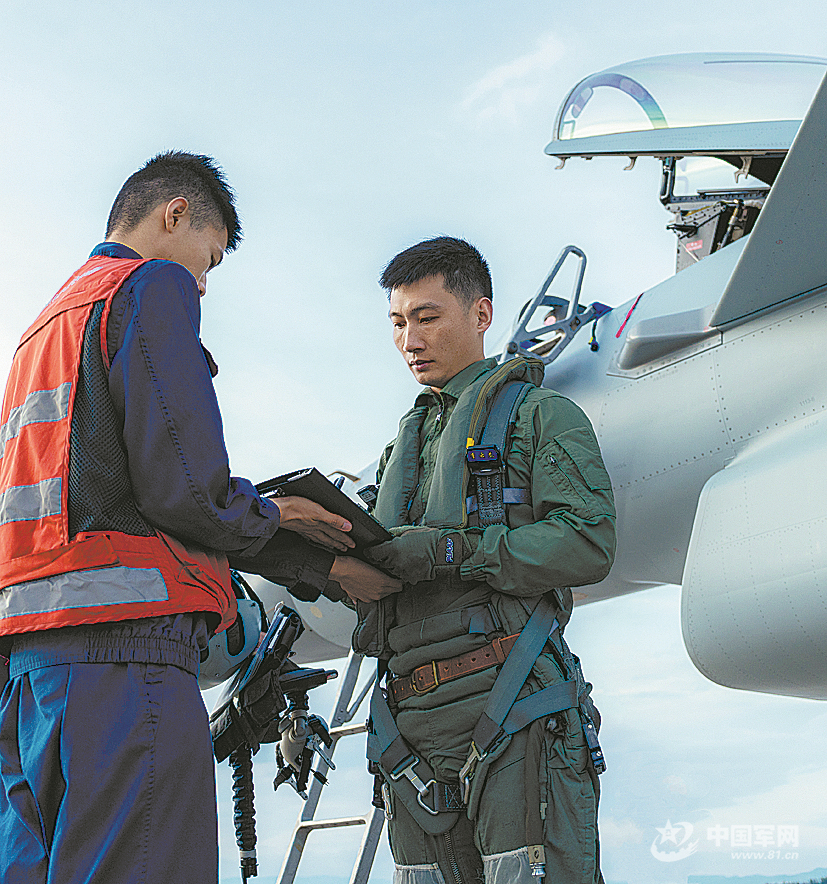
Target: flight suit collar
(458, 383)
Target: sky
(351, 131)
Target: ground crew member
(117, 517)
(529, 806)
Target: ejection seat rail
(344, 710)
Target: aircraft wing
(786, 255)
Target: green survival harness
(434, 805)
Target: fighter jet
(708, 391)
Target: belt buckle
(428, 688)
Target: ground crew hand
(362, 582)
(314, 523)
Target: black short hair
(197, 178)
(460, 264)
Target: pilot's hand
(417, 553)
(314, 523)
(362, 582)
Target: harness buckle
(422, 789)
(386, 800)
(483, 460)
(466, 774)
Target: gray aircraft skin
(708, 391)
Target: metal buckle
(386, 800)
(466, 774)
(428, 688)
(421, 788)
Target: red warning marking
(694, 246)
(631, 310)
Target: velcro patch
(449, 550)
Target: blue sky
(351, 131)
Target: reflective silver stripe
(83, 589)
(39, 407)
(26, 503)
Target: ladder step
(341, 822)
(373, 820)
(348, 730)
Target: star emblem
(669, 832)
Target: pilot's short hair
(462, 267)
(197, 178)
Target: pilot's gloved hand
(416, 554)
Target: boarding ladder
(560, 319)
(344, 709)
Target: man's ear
(175, 212)
(484, 314)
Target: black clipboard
(310, 483)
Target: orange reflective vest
(48, 579)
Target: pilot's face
(435, 332)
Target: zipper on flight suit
(452, 857)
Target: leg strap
(435, 806)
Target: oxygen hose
(244, 814)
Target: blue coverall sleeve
(162, 387)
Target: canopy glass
(696, 89)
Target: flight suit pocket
(574, 463)
(568, 805)
(371, 634)
(581, 447)
(565, 742)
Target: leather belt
(425, 678)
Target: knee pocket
(569, 807)
(564, 744)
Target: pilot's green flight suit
(539, 785)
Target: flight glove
(417, 554)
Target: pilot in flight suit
(465, 585)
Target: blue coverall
(105, 755)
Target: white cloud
(509, 89)
(798, 801)
(620, 832)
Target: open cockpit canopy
(731, 106)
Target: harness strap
(510, 495)
(512, 676)
(435, 806)
(487, 460)
(546, 702)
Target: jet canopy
(731, 106)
